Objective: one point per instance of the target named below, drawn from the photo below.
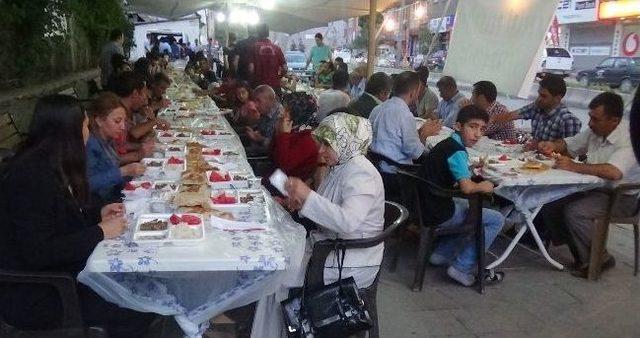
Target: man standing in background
(319, 52)
(114, 46)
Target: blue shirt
(448, 110)
(358, 89)
(459, 161)
(394, 133)
(103, 168)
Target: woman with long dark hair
(48, 224)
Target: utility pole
(371, 53)
(436, 34)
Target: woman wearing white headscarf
(349, 203)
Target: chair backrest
(10, 136)
(395, 215)
(71, 324)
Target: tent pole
(371, 53)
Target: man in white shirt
(336, 97)
(607, 146)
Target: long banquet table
(195, 283)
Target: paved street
(534, 300)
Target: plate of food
(176, 229)
(219, 179)
(153, 164)
(175, 151)
(175, 164)
(137, 189)
(532, 166)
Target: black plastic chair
(392, 188)
(394, 216)
(601, 230)
(71, 325)
(428, 234)
(261, 165)
(10, 136)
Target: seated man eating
(607, 146)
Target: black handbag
(334, 310)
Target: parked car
(557, 61)
(622, 72)
(296, 61)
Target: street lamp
(390, 25)
(420, 11)
(220, 17)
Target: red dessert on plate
(189, 219)
(211, 152)
(217, 177)
(224, 199)
(175, 160)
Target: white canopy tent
(287, 16)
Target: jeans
(461, 249)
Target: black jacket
(41, 229)
(362, 106)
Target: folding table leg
(507, 252)
(529, 216)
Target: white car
(556, 61)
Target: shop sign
(447, 25)
(574, 11)
(619, 9)
(579, 51)
(600, 50)
(591, 50)
(630, 44)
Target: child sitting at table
(246, 111)
(447, 166)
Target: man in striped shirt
(484, 96)
(550, 118)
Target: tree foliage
(425, 38)
(362, 40)
(40, 35)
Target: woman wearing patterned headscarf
(349, 202)
(294, 150)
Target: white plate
(168, 236)
(231, 184)
(139, 192)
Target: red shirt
(296, 153)
(267, 60)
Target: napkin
(278, 180)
